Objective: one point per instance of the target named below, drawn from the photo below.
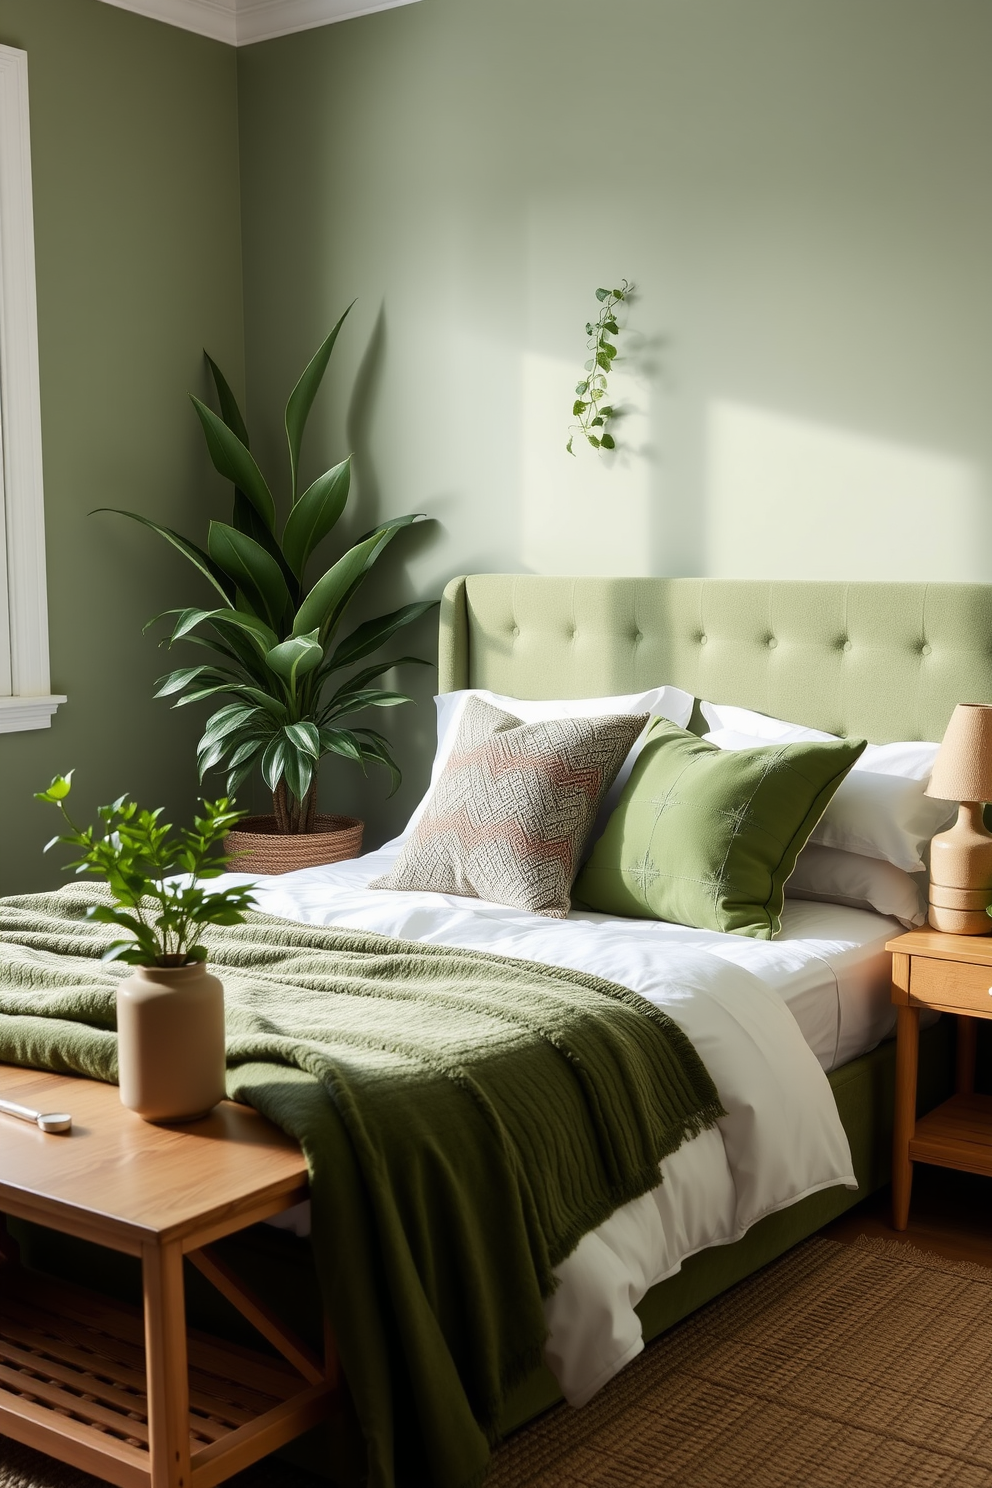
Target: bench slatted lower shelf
(130, 1394)
(73, 1362)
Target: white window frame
(26, 699)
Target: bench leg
(166, 1366)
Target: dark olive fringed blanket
(466, 1119)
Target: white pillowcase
(839, 877)
(879, 810)
(665, 702)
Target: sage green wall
(135, 162)
(800, 191)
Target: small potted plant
(170, 1010)
(275, 633)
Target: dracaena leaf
(263, 635)
(234, 460)
(369, 674)
(304, 736)
(228, 720)
(212, 755)
(302, 396)
(296, 657)
(199, 559)
(274, 762)
(374, 748)
(255, 571)
(235, 780)
(392, 525)
(246, 519)
(229, 410)
(245, 751)
(177, 680)
(297, 772)
(351, 702)
(329, 595)
(372, 634)
(314, 514)
(340, 741)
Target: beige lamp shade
(962, 770)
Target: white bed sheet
(767, 1017)
(828, 964)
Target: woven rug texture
(864, 1366)
(840, 1366)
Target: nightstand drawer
(951, 984)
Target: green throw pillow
(707, 837)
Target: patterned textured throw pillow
(512, 808)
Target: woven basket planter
(257, 846)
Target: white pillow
(878, 811)
(666, 702)
(828, 873)
(758, 725)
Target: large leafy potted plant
(170, 1010)
(274, 632)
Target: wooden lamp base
(961, 875)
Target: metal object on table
(47, 1121)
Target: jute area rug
(840, 1366)
(865, 1366)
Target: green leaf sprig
(590, 410)
(135, 854)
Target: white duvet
(780, 1139)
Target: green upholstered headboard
(883, 661)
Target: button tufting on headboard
(849, 656)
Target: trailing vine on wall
(591, 411)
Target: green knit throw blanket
(466, 1120)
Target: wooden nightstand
(952, 973)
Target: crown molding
(240, 22)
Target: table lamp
(961, 858)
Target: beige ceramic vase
(170, 1041)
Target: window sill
(20, 713)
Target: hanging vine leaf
(588, 410)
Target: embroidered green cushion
(707, 837)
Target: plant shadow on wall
(274, 637)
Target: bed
(885, 661)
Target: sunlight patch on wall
(791, 499)
(591, 513)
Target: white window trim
(26, 699)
